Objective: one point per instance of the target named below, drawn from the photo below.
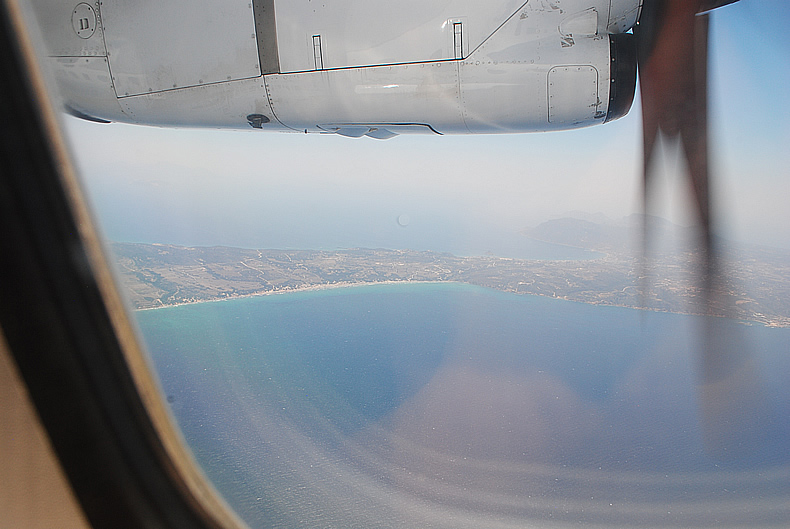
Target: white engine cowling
(449, 67)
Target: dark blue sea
(453, 406)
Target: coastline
(349, 284)
(307, 288)
(156, 277)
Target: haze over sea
(328, 226)
(447, 405)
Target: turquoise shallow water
(447, 405)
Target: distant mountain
(598, 232)
(595, 218)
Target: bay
(448, 405)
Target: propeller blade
(672, 52)
(672, 43)
(710, 5)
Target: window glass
(444, 331)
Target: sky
(252, 189)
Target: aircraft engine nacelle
(353, 67)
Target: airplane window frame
(67, 329)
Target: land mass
(753, 285)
